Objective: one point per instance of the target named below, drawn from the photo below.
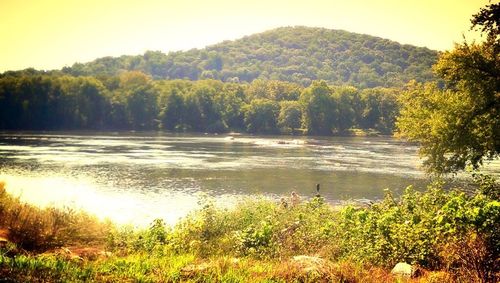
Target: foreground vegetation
(449, 235)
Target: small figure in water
(317, 191)
(294, 199)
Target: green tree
(460, 125)
(214, 61)
(380, 108)
(230, 100)
(172, 110)
(140, 99)
(201, 113)
(347, 100)
(319, 109)
(293, 54)
(261, 115)
(290, 115)
(90, 102)
(279, 90)
(487, 21)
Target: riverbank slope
(446, 236)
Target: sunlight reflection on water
(137, 177)
(131, 208)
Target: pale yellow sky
(49, 34)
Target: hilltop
(294, 54)
(279, 81)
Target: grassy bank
(449, 235)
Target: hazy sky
(48, 34)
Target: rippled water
(132, 177)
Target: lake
(136, 177)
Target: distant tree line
(33, 100)
(294, 54)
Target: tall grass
(449, 235)
(37, 229)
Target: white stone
(403, 269)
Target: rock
(4, 233)
(404, 269)
(9, 248)
(91, 253)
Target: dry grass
(259, 241)
(36, 229)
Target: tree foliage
(290, 115)
(340, 80)
(319, 109)
(261, 116)
(459, 125)
(294, 54)
(488, 21)
(133, 101)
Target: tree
(380, 107)
(319, 109)
(172, 111)
(260, 116)
(200, 114)
(230, 102)
(346, 98)
(293, 54)
(214, 61)
(459, 126)
(140, 99)
(488, 21)
(290, 115)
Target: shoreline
(309, 241)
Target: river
(136, 177)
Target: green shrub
(425, 229)
(439, 230)
(255, 239)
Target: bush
(255, 240)
(451, 231)
(426, 229)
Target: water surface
(136, 177)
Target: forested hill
(295, 54)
